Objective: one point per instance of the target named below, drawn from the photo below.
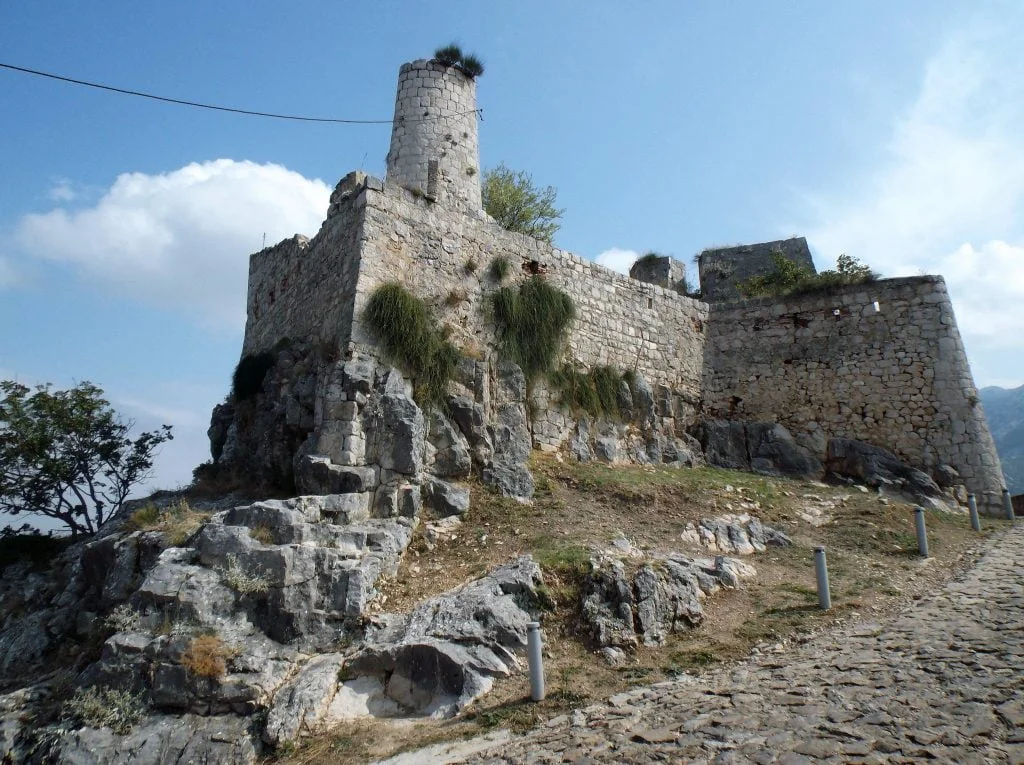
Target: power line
(182, 102)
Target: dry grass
(873, 568)
(177, 522)
(208, 656)
(262, 534)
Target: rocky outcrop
(761, 447)
(877, 468)
(733, 534)
(663, 595)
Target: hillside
(1005, 412)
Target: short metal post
(821, 569)
(1008, 505)
(533, 647)
(922, 534)
(972, 503)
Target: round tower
(434, 148)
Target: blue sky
(884, 130)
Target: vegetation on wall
(532, 321)
(789, 278)
(452, 55)
(500, 268)
(595, 392)
(408, 335)
(247, 380)
(510, 197)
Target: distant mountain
(1005, 412)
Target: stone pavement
(942, 681)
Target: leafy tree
(510, 198)
(66, 455)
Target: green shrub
(595, 392)
(406, 331)
(649, 258)
(789, 278)
(500, 268)
(105, 708)
(449, 55)
(471, 65)
(247, 381)
(532, 321)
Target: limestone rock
(877, 467)
(448, 650)
(773, 451)
(663, 596)
(451, 457)
(510, 436)
(444, 498)
(724, 443)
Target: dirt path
(942, 681)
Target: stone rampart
(881, 362)
(303, 289)
(723, 269)
(445, 257)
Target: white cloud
(947, 194)
(62, 190)
(617, 260)
(181, 239)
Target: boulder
(451, 457)
(724, 443)
(662, 597)
(773, 451)
(507, 472)
(877, 467)
(444, 498)
(448, 650)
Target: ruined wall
(303, 289)
(880, 362)
(445, 258)
(723, 268)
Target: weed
(500, 268)
(456, 297)
(207, 656)
(791, 278)
(449, 55)
(241, 581)
(472, 66)
(412, 341)
(595, 392)
(247, 381)
(471, 266)
(649, 258)
(533, 321)
(177, 522)
(262, 534)
(111, 708)
(124, 618)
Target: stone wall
(881, 362)
(445, 257)
(302, 289)
(434, 145)
(723, 268)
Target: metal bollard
(972, 503)
(821, 569)
(1008, 505)
(922, 534)
(533, 647)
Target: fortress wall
(303, 289)
(897, 377)
(620, 321)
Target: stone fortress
(781, 386)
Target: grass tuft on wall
(595, 392)
(533, 320)
(404, 327)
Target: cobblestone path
(943, 681)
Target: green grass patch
(500, 268)
(595, 392)
(533, 320)
(410, 338)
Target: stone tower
(434, 146)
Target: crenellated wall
(880, 362)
